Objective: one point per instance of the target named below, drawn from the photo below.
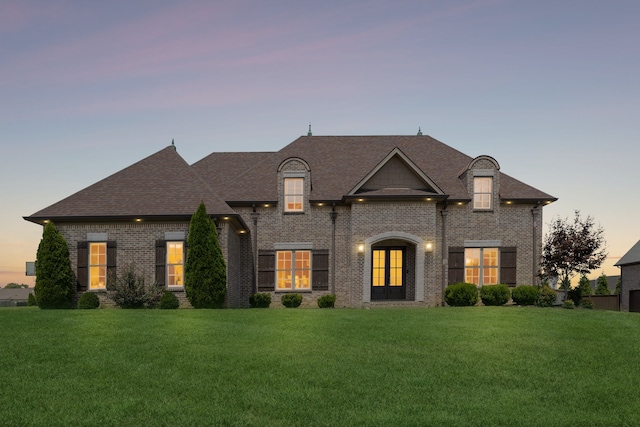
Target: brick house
(373, 219)
(630, 279)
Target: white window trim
(293, 270)
(286, 194)
(167, 264)
(490, 193)
(481, 267)
(90, 265)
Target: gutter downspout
(534, 215)
(334, 215)
(444, 251)
(254, 217)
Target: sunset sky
(549, 88)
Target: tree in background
(205, 269)
(572, 247)
(602, 287)
(54, 276)
(582, 290)
(14, 285)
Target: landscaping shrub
(291, 300)
(327, 301)
(547, 297)
(461, 294)
(587, 303)
(31, 300)
(169, 301)
(88, 300)
(569, 304)
(525, 294)
(260, 300)
(54, 276)
(495, 294)
(129, 290)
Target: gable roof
(631, 257)
(161, 185)
(339, 163)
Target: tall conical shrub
(54, 276)
(205, 269)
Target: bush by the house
(327, 301)
(54, 276)
(88, 300)
(569, 304)
(205, 270)
(260, 300)
(31, 300)
(291, 300)
(587, 303)
(525, 294)
(130, 290)
(169, 301)
(495, 294)
(461, 294)
(547, 297)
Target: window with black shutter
(508, 266)
(320, 270)
(82, 266)
(456, 265)
(266, 270)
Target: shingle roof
(162, 184)
(338, 163)
(631, 257)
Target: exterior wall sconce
(429, 246)
(360, 247)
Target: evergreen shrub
(31, 300)
(54, 276)
(260, 300)
(461, 294)
(525, 294)
(495, 294)
(327, 301)
(291, 300)
(587, 303)
(88, 301)
(169, 301)
(569, 304)
(547, 297)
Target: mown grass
(474, 366)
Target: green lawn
(383, 367)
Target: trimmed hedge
(169, 301)
(525, 294)
(461, 294)
(547, 297)
(260, 300)
(495, 294)
(291, 300)
(327, 301)
(88, 301)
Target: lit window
(293, 194)
(481, 266)
(97, 265)
(293, 269)
(175, 264)
(482, 192)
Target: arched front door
(388, 278)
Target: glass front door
(388, 274)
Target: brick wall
(630, 282)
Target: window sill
(293, 212)
(293, 291)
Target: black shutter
(266, 270)
(508, 266)
(82, 266)
(111, 259)
(161, 262)
(320, 272)
(456, 265)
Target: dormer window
(482, 192)
(293, 194)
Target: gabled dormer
(482, 180)
(294, 186)
(396, 176)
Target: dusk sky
(550, 89)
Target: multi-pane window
(175, 264)
(481, 266)
(293, 270)
(293, 194)
(98, 265)
(482, 192)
